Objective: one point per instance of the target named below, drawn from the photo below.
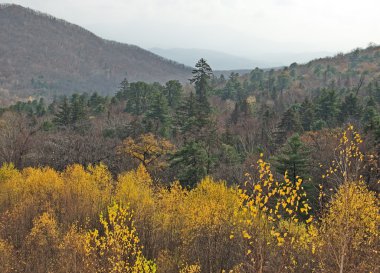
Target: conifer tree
(173, 93)
(123, 91)
(327, 106)
(63, 116)
(290, 123)
(257, 77)
(78, 111)
(307, 115)
(201, 78)
(192, 163)
(232, 87)
(371, 117)
(137, 95)
(185, 118)
(349, 108)
(41, 108)
(157, 117)
(293, 158)
(97, 103)
(283, 80)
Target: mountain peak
(40, 53)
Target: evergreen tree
(192, 163)
(371, 116)
(78, 111)
(173, 93)
(137, 96)
(97, 103)
(283, 80)
(63, 116)
(201, 77)
(41, 108)
(157, 117)
(222, 79)
(307, 115)
(327, 106)
(185, 118)
(290, 123)
(294, 158)
(194, 159)
(267, 116)
(350, 108)
(376, 91)
(232, 87)
(257, 78)
(123, 91)
(235, 115)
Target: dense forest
(274, 171)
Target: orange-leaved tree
(147, 149)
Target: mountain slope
(39, 52)
(351, 71)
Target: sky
(240, 27)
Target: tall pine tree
(293, 158)
(63, 116)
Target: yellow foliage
(267, 226)
(118, 248)
(350, 229)
(208, 217)
(210, 204)
(348, 157)
(194, 268)
(270, 215)
(169, 214)
(85, 192)
(147, 149)
(7, 171)
(135, 189)
(8, 259)
(72, 252)
(41, 245)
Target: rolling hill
(40, 54)
(352, 71)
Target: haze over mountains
(224, 61)
(217, 60)
(39, 52)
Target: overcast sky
(240, 27)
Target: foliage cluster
(85, 220)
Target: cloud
(236, 26)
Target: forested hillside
(343, 72)
(273, 171)
(42, 55)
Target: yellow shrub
(116, 247)
(350, 230)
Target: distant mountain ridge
(221, 61)
(40, 53)
(217, 60)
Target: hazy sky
(241, 27)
